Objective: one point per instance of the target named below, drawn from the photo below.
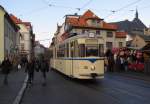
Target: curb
(21, 92)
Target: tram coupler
(93, 75)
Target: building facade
(132, 28)
(90, 24)
(9, 36)
(27, 38)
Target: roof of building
(130, 26)
(81, 21)
(9, 19)
(19, 21)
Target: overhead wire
(81, 8)
(45, 2)
(86, 4)
(145, 7)
(120, 9)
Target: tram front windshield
(91, 50)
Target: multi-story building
(132, 28)
(88, 24)
(27, 38)
(9, 36)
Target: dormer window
(93, 22)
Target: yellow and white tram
(79, 57)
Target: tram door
(72, 57)
(74, 54)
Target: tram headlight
(92, 68)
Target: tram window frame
(61, 51)
(55, 52)
(87, 53)
(72, 49)
(81, 50)
(76, 53)
(67, 49)
(51, 53)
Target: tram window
(101, 50)
(72, 49)
(67, 49)
(91, 50)
(51, 54)
(76, 52)
(61, 51)
(82, 50)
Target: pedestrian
(44, 68)
(6, 67)
(126, 63)
(118, 63)
(122, 63)
(37, 65)
(30, 70)
(24, 61)
(110, 59)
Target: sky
(44, 15)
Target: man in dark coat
(6, 67)
(44, 68)
(30, 71)
(110, 59)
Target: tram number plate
(91, 41)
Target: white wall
(25, 32)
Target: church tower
(136, 14)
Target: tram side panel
(82, 69)
(52, 63)
(59, 65)
(68, 68)
(63, 66)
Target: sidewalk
(9, 92)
